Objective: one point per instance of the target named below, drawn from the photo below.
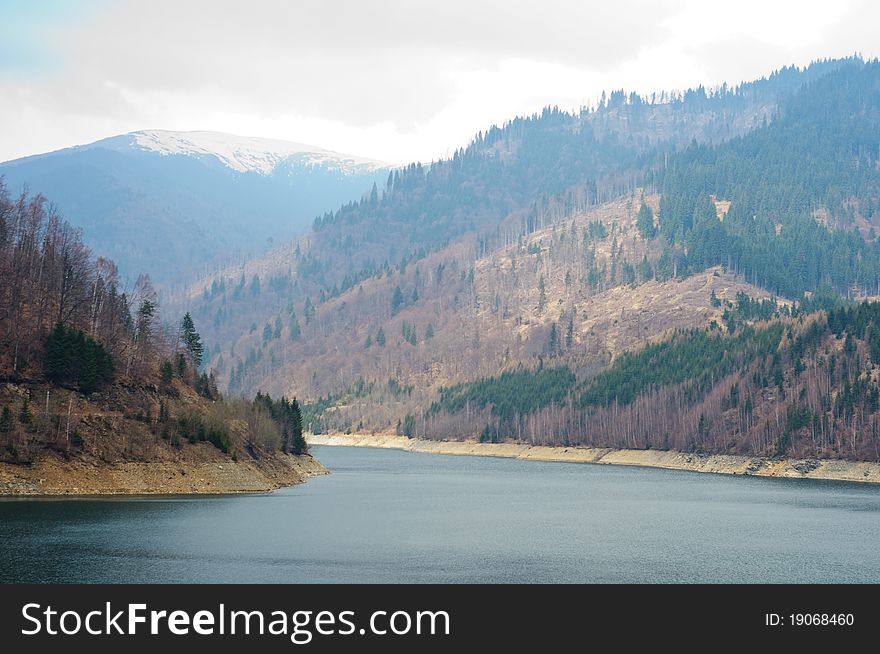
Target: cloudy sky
(396, 80)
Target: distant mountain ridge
(245, 154)
(178, 203)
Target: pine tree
(569, 333)
(553, 341)
(6, 420)
(645, 269)
(298, 443)
(24, 415)
(58, 354)
(645, 221)
(166, 371)
(193, 342)
(380, 337)
(396, 300)
(70, 357)
(409, 425)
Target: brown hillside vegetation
(131, 439)
(92, 376)
(456, 317)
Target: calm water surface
(392, 516)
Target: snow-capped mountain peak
(248, 154)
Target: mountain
(515, 178)
(179, 203)
(656, 272)
(575, 293)
(509, 291)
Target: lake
(394, 516)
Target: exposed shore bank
(52, 475)
(838, 470)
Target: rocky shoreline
(826, 469)
(52, 475)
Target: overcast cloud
(395, 80)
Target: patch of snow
(246, 154)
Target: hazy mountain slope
(457, 318)
(509, 182)
(494, 187)
(177, 204)
(592, 156)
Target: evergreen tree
(59, 354)
(380, 337)
(192, 341)
(552, 348)
(6, 420)
(24, 415)
(645, 221)
(166, 371)
(298, 441)
(396, 300)
(569, 333)
(70, 357)
(645, 269)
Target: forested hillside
(804, 192)
(654, 272)
(804, 386)
(508, 172)
(86, 363)
(517, 180)
(577, 293)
